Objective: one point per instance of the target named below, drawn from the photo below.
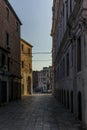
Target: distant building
(69, 55)
(44, 79)
(10, 73)
(35, 80)
(26, 67)
(51, 77)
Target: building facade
(35, 80)
(69, 53)
(26, 67)
(44, 79)
(10, 73)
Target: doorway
(79, 106)
(72, 101)
(3, 91)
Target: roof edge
(10, 6)
(26, 42)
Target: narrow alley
(37, 112)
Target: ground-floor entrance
(3, 91)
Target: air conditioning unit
(5, 68)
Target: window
(70, 6)
(66, 11)
(79, 54)
(7, 10)
(29, 65)
(67, 64)
(72, 53)
(29, 51)
(22, 47)
(63, 66)
(22, 64)
(8, 63)
(3, 59)
(7, 39)
(63, 10)
(17, 26)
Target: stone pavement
(37, 112)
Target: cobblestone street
(37, 112)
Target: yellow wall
(26, 71)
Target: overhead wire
(41, 53)
(37, 53)
(33, 53)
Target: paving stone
(46, 127)
(40, 112)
